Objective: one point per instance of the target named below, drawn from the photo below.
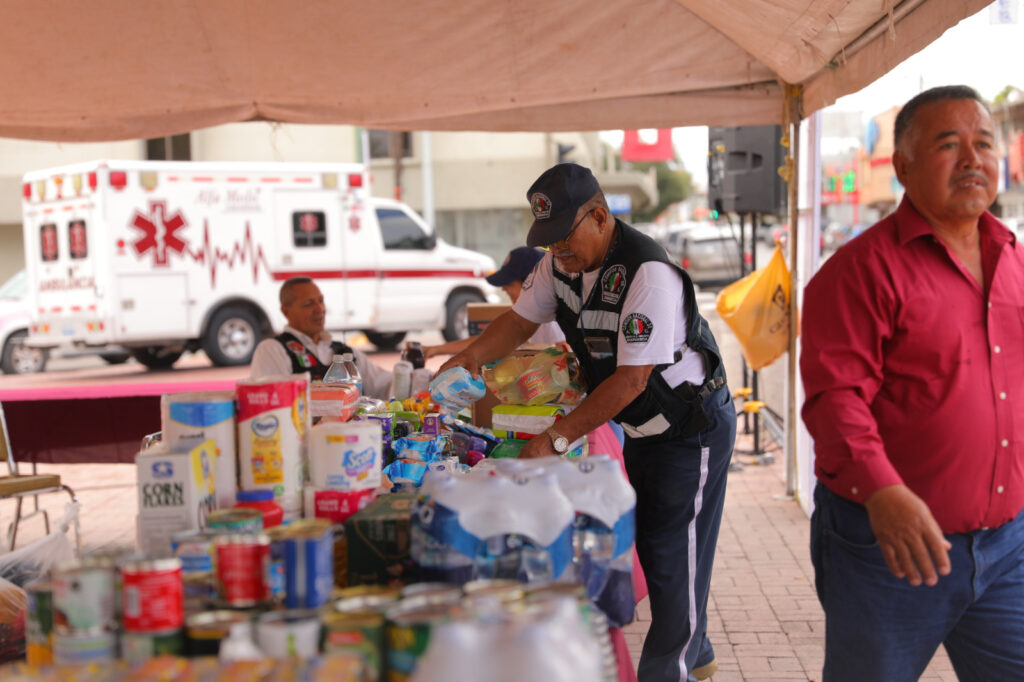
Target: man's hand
(911, 541)
(538, 446)
(463, 359)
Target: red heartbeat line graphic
(246, 252)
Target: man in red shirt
(912, 363)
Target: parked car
(15, 356)
(709, 252)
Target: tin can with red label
(243, 569)
(152, 595)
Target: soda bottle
(413, 353)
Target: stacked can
(153, 608)
(243, 569)
(39, 623)
(84, 612)
(357, 625)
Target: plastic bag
(22, 566)
(549, 376)
(756, 308)
(37, 559)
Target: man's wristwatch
(559, 442)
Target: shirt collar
(306, 339)
(910, 225)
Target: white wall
(263, 141)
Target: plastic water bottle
(337, 373)
(343, 370)
(355, 377)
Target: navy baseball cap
(517, 266)
(555, 198)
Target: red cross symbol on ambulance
(158, 232)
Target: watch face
(561, 444)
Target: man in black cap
(651, 364)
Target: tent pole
(792, 111)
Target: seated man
(305, 346)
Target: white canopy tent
(123, 69)
(118, 69)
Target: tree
(673, 186)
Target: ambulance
(164, 257)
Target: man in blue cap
(519, 263)
(651, 364)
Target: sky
(975, 52)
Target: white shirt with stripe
(656, 293)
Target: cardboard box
(480, 315)
(378, 542)
(176, 491)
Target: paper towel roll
(401, 380)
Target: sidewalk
(764, 617)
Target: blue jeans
(879, 627)
(680, 494)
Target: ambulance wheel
(18, 358)
(457, 320)
(231, 337)
(385, 341)
(115, 357)
(156, 357)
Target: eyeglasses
(564, 242)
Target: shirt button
(1005, 443)
(999, 489)
(853, 490)
(990, 304)
(997, 349)
(1002, 395)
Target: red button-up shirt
(914, 374)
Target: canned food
(39, 623)
(424, 594)
(195, 549)
(365, 598)
(307, 551)
(235, 520)
(141, 646)
(152, 595)
(200, 589)
(504, 591)
(406, 636)
(84, 598)
(288, 634)
(243, 569)
(359, 633)
(72, 649)
(205, 631)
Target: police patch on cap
(541, 206)
(613, 283)
(637, 328)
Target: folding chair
(17, 487)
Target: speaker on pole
(743, 165)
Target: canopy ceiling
(124, 69)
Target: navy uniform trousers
(680, 489)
